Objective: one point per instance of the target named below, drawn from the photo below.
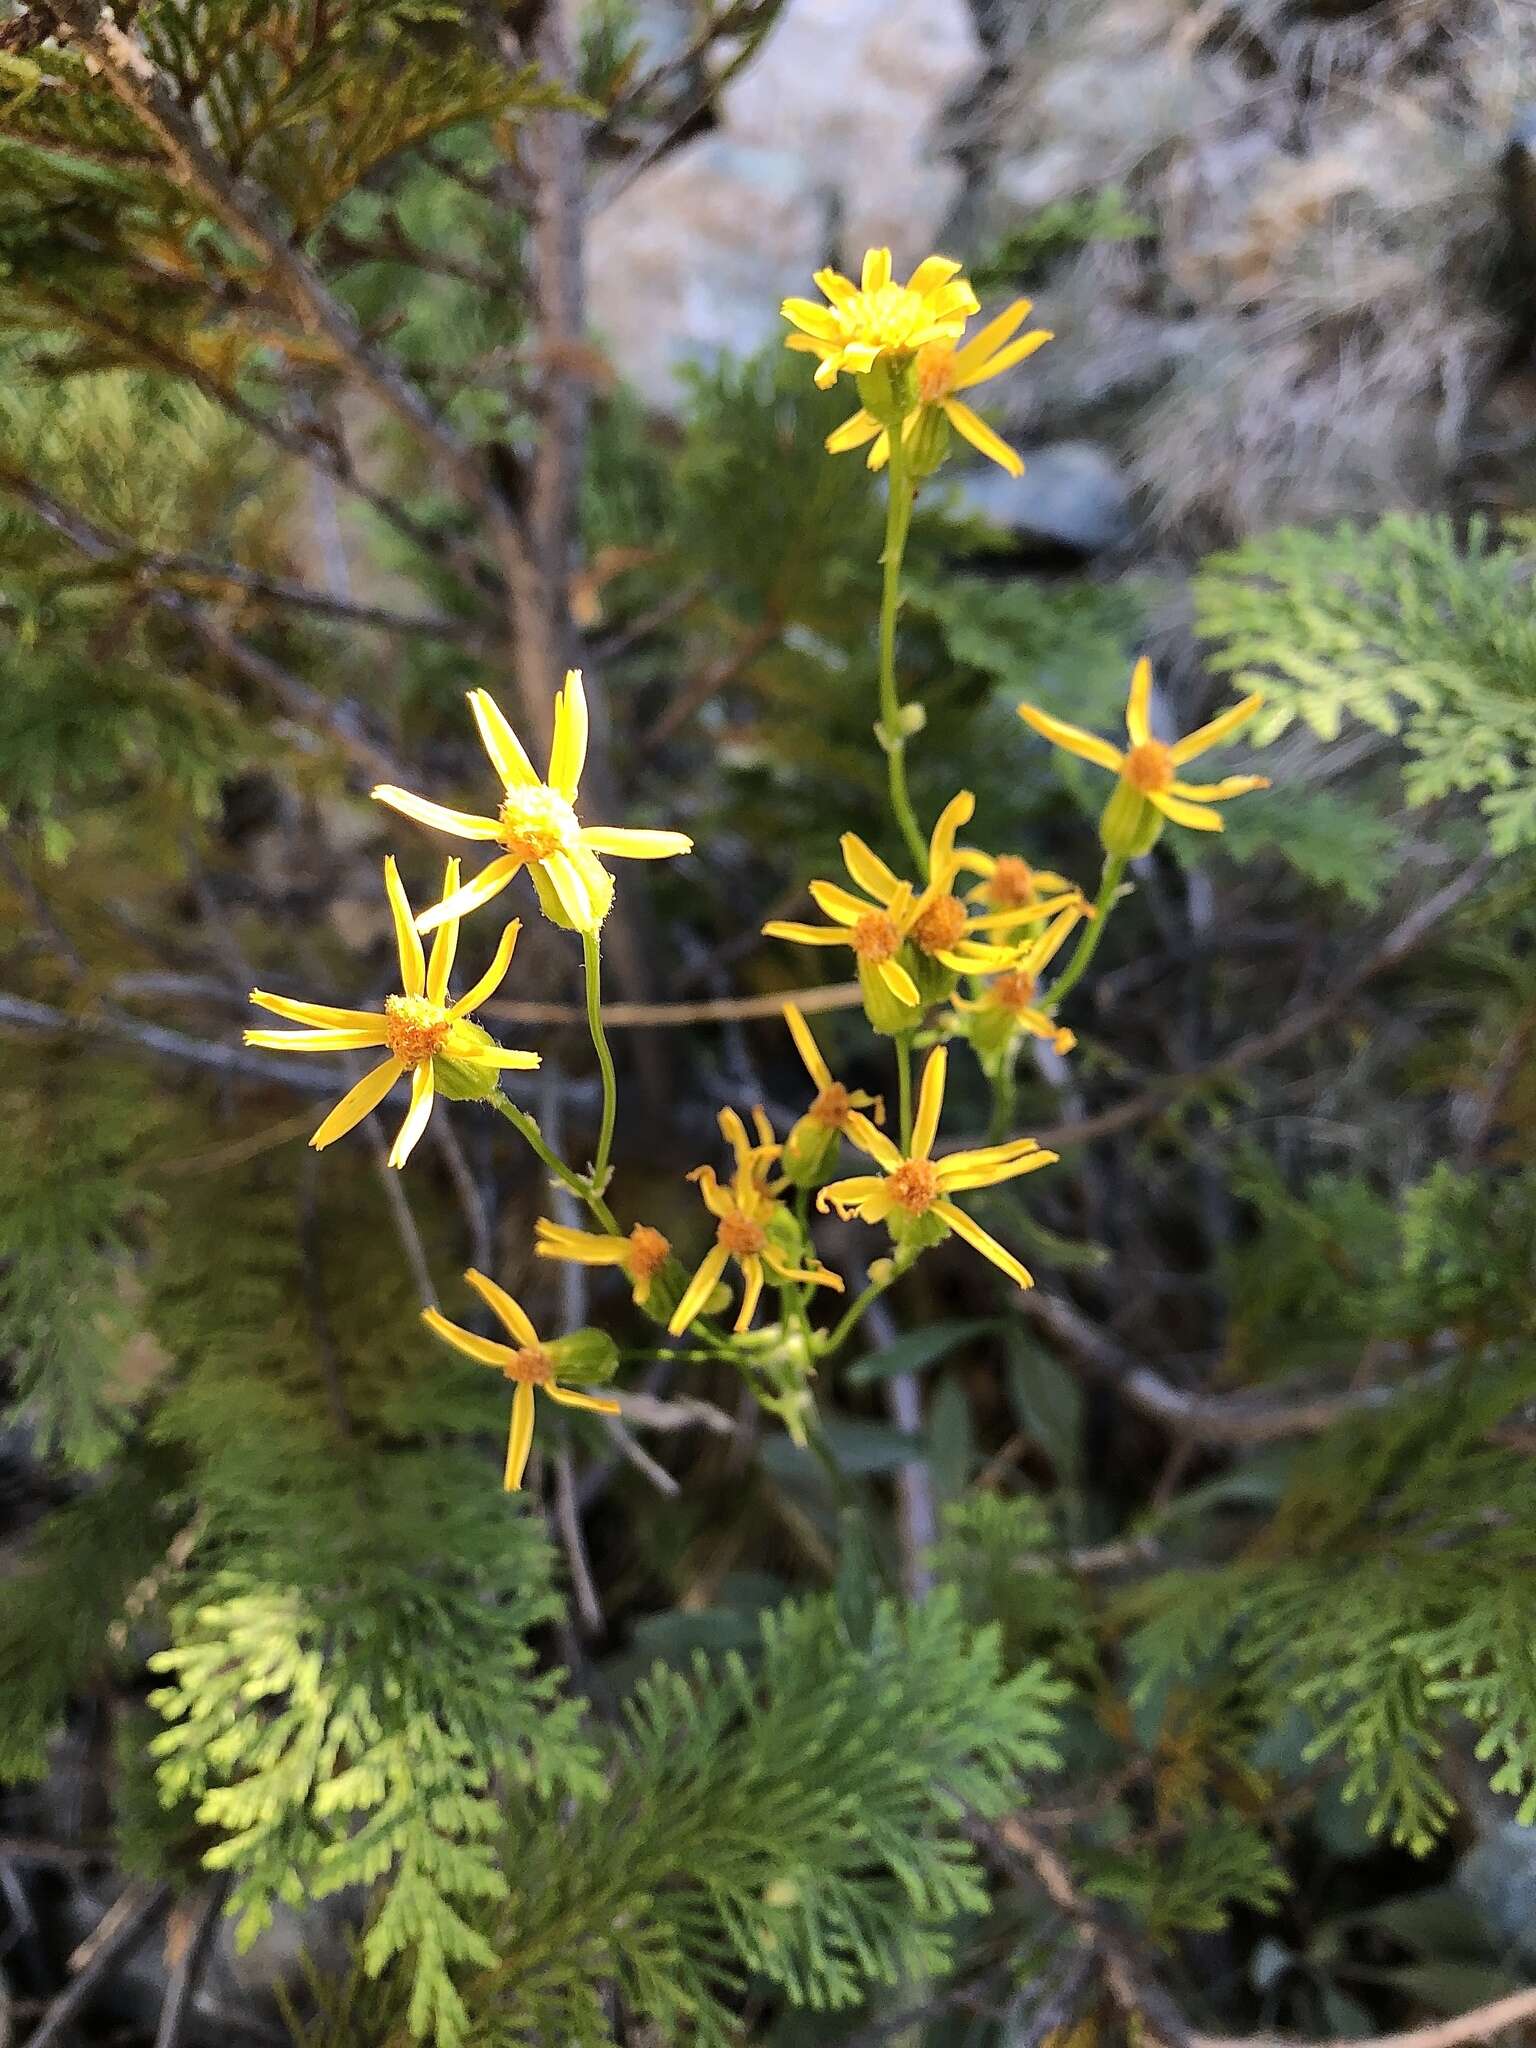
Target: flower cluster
(953, 945)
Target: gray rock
(1072, 494)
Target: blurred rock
(821, 149)
(1072, 495)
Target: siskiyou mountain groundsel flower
(420, 1028)
(641, 1255)
(536, 825)
(878, 318)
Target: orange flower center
(832, 1106)
(941, 925)
(532, 1368)
(1014, 991)
(537, 822)
(648, 1252)
(1149, 767)
(915, 1184)
(414, 1028)
(875, 938)
(742, 1238)
(1011, 884)
(937, 375)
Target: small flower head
(642, 1255)
(876, 319)
(529, 1362)
(422, 1033)
(914, 1187)
(812, 1141)
(1008, 882)
(1011, 1002)
(1148, 768)
(895, 931)
(752, 1226)
(536, 825)
(940, 372)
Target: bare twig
(680, 1411)
(181, 1991)
(842, 995)
(1482, 2023)
(118, 1933)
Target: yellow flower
(878, 317)
(941, 371)
(536, 825)
(641, 1254)
(419, 1026)
(935, 921)
(1010, 1002)
(1008, 882)
(909, 1189)
(752, 1227)
(813, 1139)
(525, 1361)
(1150, 768)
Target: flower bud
(1130, 825)
(886, 1012)
(466, 1079)
(928, 443)
(554, 909)
(587, 1358)
(808, 1152)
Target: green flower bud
(1130, 825)
(587, 1358)
(808, 1152)
(936, 983)
(466, 1079)
(928, 443)
(887, 1013)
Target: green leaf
(917, 1350)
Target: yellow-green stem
(1092, 932)
(529, 1131)
(844, 1328)
(592, 962)
(898, 517)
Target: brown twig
(118, 1933)
(1482, 2023)
(181, 1990)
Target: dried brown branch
(122, 1927)
(1482, 2023)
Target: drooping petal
(874, 1142)
(805, 934)
(490, 881)
(900, 983)
(876, 272)
(519, 1438)
(501, 743)
(853, 433)
(509, 1313)
(628, 842)
(366, 1095)
(868, 869)
(972, 427)
(445, 944)
(806, 1046)
(581, 1247)
(493, 976)
(1005, 359)
(815, 1275)
(839, 904)
(568, 750)
(484, 1350)
(1138, 709)
(595, 1404)
(699, 1289)
(930, 1102)
(751, 1293)
(880, 454)
(1215, 730)
(322, 1016)
(983, 1242)
(825, 374)
(422, 1089)
(462, 824)
(854, 1196)
(413, 963)
(1218, 792)
(716, 1199)
(319, 1041)
(959, 811)
(1198, 817)
(986, 340)
(582, 887)
(1072, 737)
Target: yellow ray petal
(484, 1350)
(319, 1041)
(983, 1242)
(716, 1199)
(445, 944)
(519, 1438)
(581, 1247)
(501, 743)
(699, 1289)
(462, 824)
(986, 340)
(594, 1404)
(959, 811)
(629, 842)
(422, 1089)
(1138, 709)
(493, 976)
(1217, 729)
(985, 1159)
(868, 869)
(842, 291)
(1218, 792)
(806, 1046)
(930, 1102)
(1198, 817)
(809, 345)
(751, 1293)
(367, 1094)
(805, 934)
(1006, 359)
(322, 1015)
(502, 1058)
(854, 1196)
(973, 428)
(876, 271)
(511, 1315)
(839, 903)
(734, 1132)
(853, 433)
(814, 1275)
(413, 964)
(880, 452)
(932, 272)
(1072, 737)
(568, 751)
(874, 1142)
(490, 881)
(900, 983)
(582, 886)
(1050, 942)
(819, 322)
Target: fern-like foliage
(1406, 626)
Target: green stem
(844, 1329)
(1005, 1091)
(904, 1085)
(529, 1131)
(1092, 932)
(898, 518)
(592, 962)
